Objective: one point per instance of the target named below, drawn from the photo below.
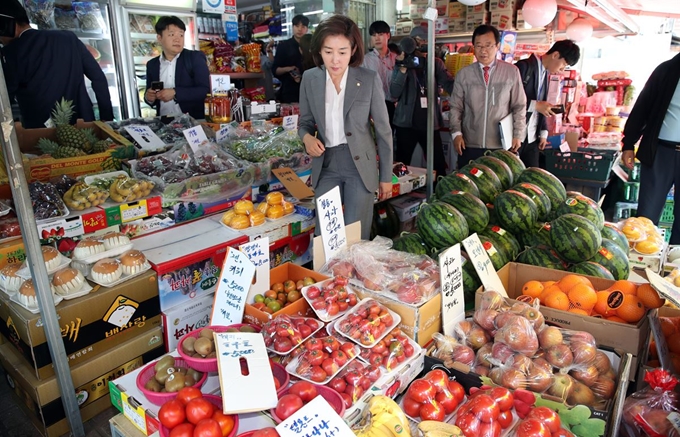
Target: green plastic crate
(591, 166)
(667, 214)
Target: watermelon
(540, 236)
(493, 218)
(583, 206)
(611, 232)
(473, 209)
(516, 165)
(574, 238)
(455, 181)
(613, 258)
(385, 220)
(542, 257)
(486, 180)
(516, 211)
(539, 197)
(574, 193)
(505, 241)
(411, 243)
(500, 168)
(590, 268)
(547, 182)
(494, 251)
(441, 225)
(471, 282)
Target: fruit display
(413, 279)
(202, 346)
(170, 133)
(487, 412)
(487, 181)
(391, 351)
(382, 417)
(330, 299)
(450, 350)
(473, 209)
(542, 422)
(441, 225)
(281, 295)
(283, 333)
(275, 206)
(652, 410)
(262, 145)
(243, 215)
(643, 236)
(671, 333)
(122, 188)
(434, 428)
(296, 397)
(367, 323)
(82, 196)
(412, 243)
(47, 202)
(320, 359)
(194, 414)
(354, 380)
(433, 397)
(169, 375)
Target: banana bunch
(82, 196)
(125, 189)
(383, 418)
(433, 428)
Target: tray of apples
(367, 323)
(284, 333)
(354, 381)
(331, 298)
(321, 359)
(391, 353)
(433, 397)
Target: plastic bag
(65, 19)
(89, 16)
(41, 12)
(367, 323)
(354, 380)
(390, 352)
(488, 412)
(285, 333)
(46, 201)
(322, 358)
(82, 196)
(263, 143)
(330, 299)
(653, 410)
(449, 350)
(433, 397)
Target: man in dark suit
(287, 65)
(42, 66)
(534, 72)
(184, 73)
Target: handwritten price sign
(482, 263)
(258, 253)
(332, 222)
(451, 275)
(220, 83)
(232, 288)
(316, 419)
(195, 137)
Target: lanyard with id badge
(423, 93)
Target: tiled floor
(14, 423)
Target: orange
(667, 326)
(532, 288)
(557, 300)
(583, 296)
(652, 350)
(547, 284)
(569, 281)
(602, 306)
(631, 310)
(674, 343)
(579, 311)
(649, 297)
(547, 291)
(625, 287)
(616, 319)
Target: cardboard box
(300, 307)
(653, 262)
(625, 337)
(184, 318)
(442, 8)
(407, 207)
(417, 11)
(502, 5)
(297, 250)
(42, 399)
(502, 20)
(477, 9)
(441, 25)
(188, 259)
(473, 21)
(403, 27)
(12, 252)
(457, 10)
(90, 325)
(457, 25)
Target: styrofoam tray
(84, 290)
(283, 354)
(25, 272)
(292, 366)
(323, 315)
(7, 292)
(238, 230)
(383, 369)
(396, 319)
(122, 279)
(35, 310)
(106, 254)
(280, 218)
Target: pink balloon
(579, 29)
(539, 13)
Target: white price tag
(482, 263)
(220, 83)
(317, 418)
(134, 212)
(660, 340)
(195, 136)
(290, 122)
(451, 277)
(232, 288)
(332, 222)
(257, 252)
(222, 133)
(564, 147)
(145, 137)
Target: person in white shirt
(338, 100)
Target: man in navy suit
(184, 73)
(42, 66)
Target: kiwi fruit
(232, 330)
(206, 333)
(195, 374)
(204, 345)
(188, 345)
(174, 382)
(189, 380)
(248, 328)
(164, 363)
(162, 375)
(153, 385)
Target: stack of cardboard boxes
(502, 13)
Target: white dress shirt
(167, 76)
(335, 107)
(541, 91)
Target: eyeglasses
(484, 47)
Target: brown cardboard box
(90, 325)
(626, 337)
(298, 308)
(42, 399)
(12, 252)
(645, 358)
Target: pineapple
(57, 151)
(111, 164)
(102, 146)
(68, 135)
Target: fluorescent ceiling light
(607, 13)
(317, 12)
(289, 8)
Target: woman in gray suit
(337, 102)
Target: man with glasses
(381, 59)
(534, 72)
(485, 93)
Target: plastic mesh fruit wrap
(653, 411)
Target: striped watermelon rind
(516, 211)
(540, 236)
(539, 197)
(411, 243)
(613, 258)
(583, 206)
(455, 181)
(495, 253)
(611, 232)
(486, 180)
(493, 217)
(541, 257)
(500, 168)
(516, 165)
(547, 182)
(504, 240)
(473, 209)
(591, 268)
(471, 281)
(441, 225)
(574, 238)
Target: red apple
(560, 356)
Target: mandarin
(631, 309)
(532, 288)
(625, 287)
(583, 296)
(569, 281)
(558, 300)
(649, 297)
(547, 291)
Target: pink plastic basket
(333, 398)
(282, 376)
(160, 398)
(217, 401)
(205, 364)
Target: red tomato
(532, 428)
(408, 350)
(468, 423)
(313, 292)
(411, 407)
(432, 411)
(505, 418)
(503, 397)
(317, 374)
(379, 348)
(305, 330)
(485, 408)
(353, 377)
(186, 394)
(437, 377)
(199, 409)
(282, 344)
(171, 413)
(347, 399)
(331, 344)
(314, 357)
(208, 428)
(333, 309)
(421, 391)
(343, 306)
(375, 359)
(312, 324)
(182, 430)
(338, 384)
(314, 344)
(330, 367)
(266, 432)
(288, 405)
(348, 349)
(339, 357)
(447, 401)
(373, 372)
(492, 429)
(547, 416)
(305, 390)
(226, 422)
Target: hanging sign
(213, 6)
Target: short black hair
(166, 21)
(483, 30)
(300, 19)
(568, 51)
(379, 27)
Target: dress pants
(339, 171)
(408, 138)
(470, 154)
(529, 153)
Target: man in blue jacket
(43, 66)
(184, 73)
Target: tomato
(373, 372)
(338, 384)
(208, 428)
(313, 292)
(365, 383)
(314, 357)
(314, 344)
(330, 367)
(485, 408)
(199, 409)
(171, 413)
(352, 299)
(421, 391)
(379, 348)
(468, 423)
(411, 407)
(353, 377)
(347, 399)
(343, 306)
(226, 422)
(437, 377)
(505, 418)
(432, 411)
(312, 324)
(341, 280)
(305, 330)
(339, 357)
(503, 397)
(317, 374)
(409, 350)
(288, 405)
(305, 390)
(547, 416)
(457, 390)
(447, 401)
(266, 432)
(333, 309)
(532, 428)
(282, 344)
(182, 430)
(331, 344)
(188, 393)
(492, 429)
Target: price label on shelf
(133, 211)
(317, 418)
(232, 288)
(195, 137)
(482, 263)
(145, 137)
(220, 83)
(257, 252)
(332, 222)
(290, 122)
(451, 277)
(222, 133)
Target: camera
(7, 26)
(157, 85)
(408, 46)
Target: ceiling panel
(666, 8)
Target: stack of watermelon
(523, 215)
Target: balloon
(471, 2)
(538, 13)
(579, 29)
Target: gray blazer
(364, 100)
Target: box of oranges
(615, 312)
